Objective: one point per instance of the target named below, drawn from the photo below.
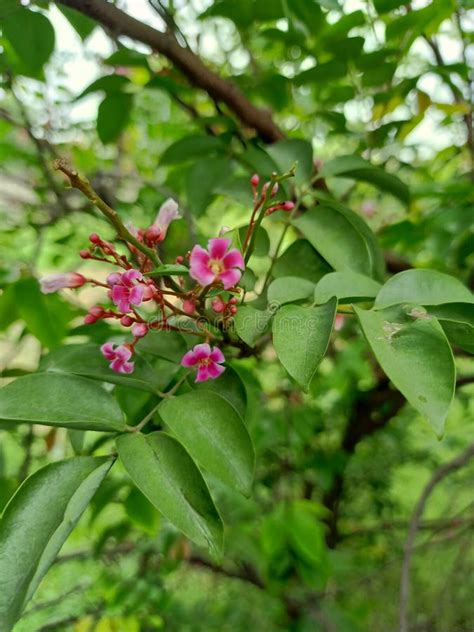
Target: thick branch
(120, 23)
(438, 476)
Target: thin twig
(438, 476)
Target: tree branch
(199, 75)
(438, 476)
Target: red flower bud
(85, 254)
(139, 330)
(179, 259)
(254, 180)
(89, 319)
(233, 310)
(288, 206)
(233, 301)
(94, 238)
(218, 305)
(97, 311)
(126, 321)
(189, 307)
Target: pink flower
(118, 357)
(125, 290)
(216, 264)
(55, 282)
(207, 360)
(167, 213)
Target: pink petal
(202, 374)
(215, 370)
(116, 365)
(189, 359)
(234, 259)
(124, 353)
(230, 278)
(218, 247)
(216, 355)
(123, 306)
(167, 213)
(201, 273)
(128, 367)
(136, 294)
(107, 350)
(114, 278)
(130, 276)
(120, 293)
(199, 255)
(202, 351)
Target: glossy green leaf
(214, 434)
(110, 84)
(342, 238)
(250, 323)
(80, 22)
(416, 356)
(37, 522)
(169, 269)
(191, 147)
(67, 401)
(230, 387)
(88, 361)
(347, 287)
(422, 287)
(262, 241)
(289, 290)
(301, 260)
(359, 169)
(113, 116)
(169, 345)
(165, 473)
(301, 337)
(202, 180)
(32, 37)
(141, 512)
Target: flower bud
(254, 180)
(233, 301)
(148, 293)
(288, 206)
(233, 310)
(139, 330)
(179, 259)
(85, 254)
(126, 321)
(218, 305)
(95, 239)
(89, 319)
(189, 307)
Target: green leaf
(301, 260)
(359, 169)
(422, 287)
(32, 37)
(88, 361)
(129, 58)
(60, 400)
(169, 269)
(347, 287)
(289, 289)
(80, 22)
(457, 321)
(110, 84)
(230, 387)
(417, 357)
(262, 241)
(202, 180)
(113, 116)
(250, 323)
(162, 469)
(191, 147)
(286, 152)
(46, 316)
(169, 345)
(141, 512)
(342, 238)
(37, 522)
(214, 434)
(301, 337)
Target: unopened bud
(233, 301)
(218, 305)
(254, 180)
(94, 238)
(148, 293)
(85, 254)
(288, 206)
(89, 319)
(233, 310)
(126, 321)
(179, 259)
(139, 330)
(189, 307)
(97, 311)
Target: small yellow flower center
(216, 266)
(205, 361)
